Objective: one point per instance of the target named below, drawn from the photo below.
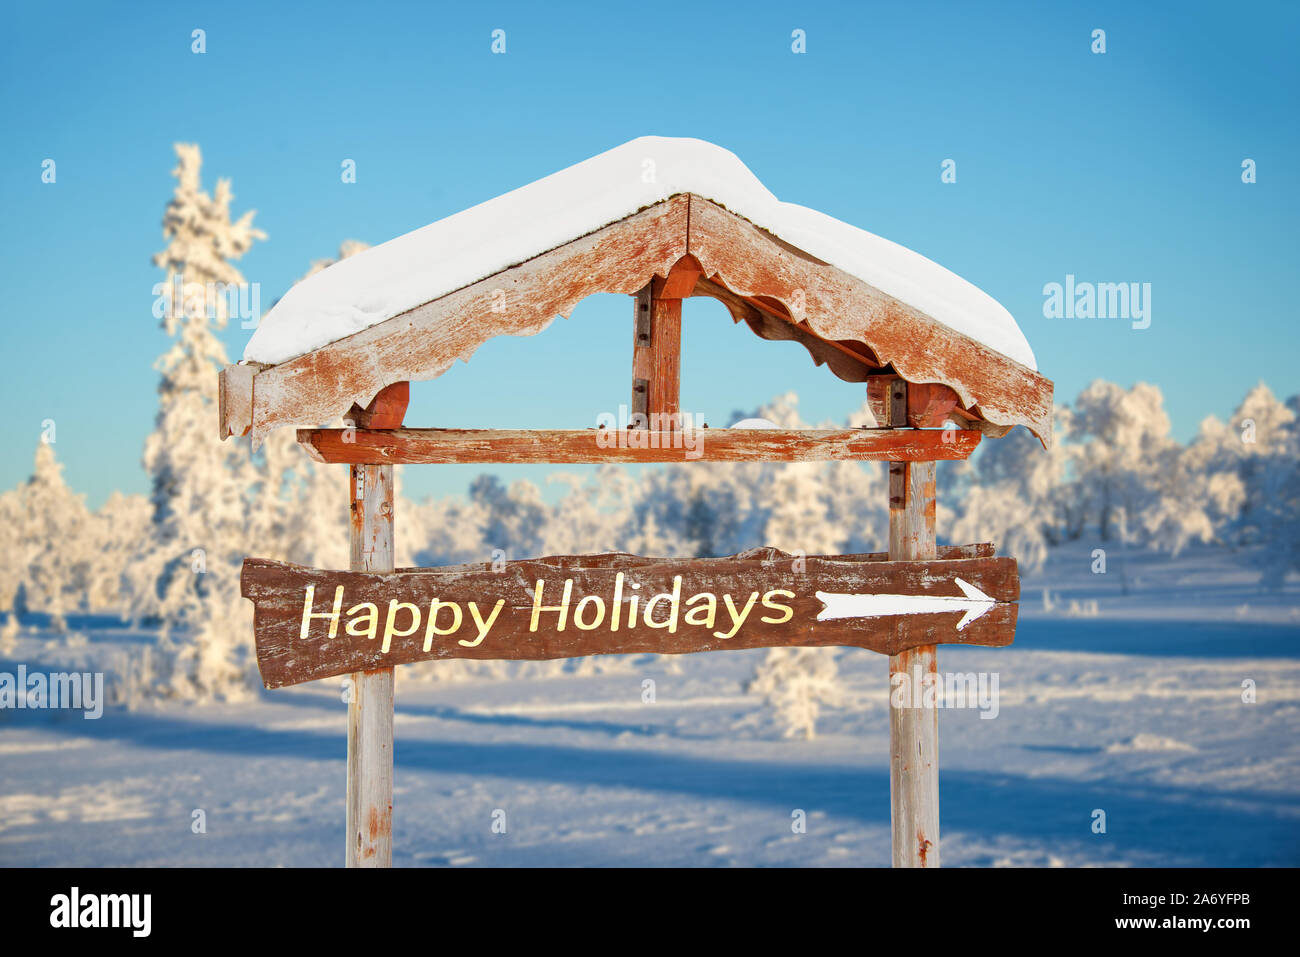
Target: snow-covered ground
(1135, 710)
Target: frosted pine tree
(1226, 484)
(1281, 519)
(11, 565)
(1018, 495)
(1128, 453)
(52, 523)
(645, 537)
(797, 683)
(203, 489)
(1263, 441)
(118, 531)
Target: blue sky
(1120, 167)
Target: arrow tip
(984, 603)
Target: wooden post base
(370, 770)
(913, 731)
(370, 709)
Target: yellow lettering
(616, 606)
(778, 606)
(674, 599)
(308, 614)
(595, 602)
(482, 626)
(710, 610)
(394, 606)
(562, 607)
(435, 608)
(737, 617)
(371, 617)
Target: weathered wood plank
(640, 406)
(370, 707)
(681, 279)
(386, 410)
(764, 554)
(422, 343)
(914, 731)
(235, 399)
(676, 607)
(412, 446)
(767, 323)
(842, 321)
(665, 356)
(927, 405)
(841, 308)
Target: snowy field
(1132, 706)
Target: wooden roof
(779, 291)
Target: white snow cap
(420, 266)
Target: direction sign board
(311, 623)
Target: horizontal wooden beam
(575, 446)
(764, 553)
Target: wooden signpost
(933, 392)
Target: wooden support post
(370, 709)
(897, 404)
(913, 731)
(657, 354)
(641, 358)
(665, 356)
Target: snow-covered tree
(1279, 516)
(647, 538)
(1264, 437)
(203, 489)
(1016, 494)
(1125, 454)
(11, 558)
(117, 533)
(52, 524)
(797, 683)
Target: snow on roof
(423, 265)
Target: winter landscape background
(1160, 581)
(1155, 675)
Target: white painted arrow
(839, 605)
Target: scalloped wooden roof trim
(827, 310)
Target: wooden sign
(311, 623)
